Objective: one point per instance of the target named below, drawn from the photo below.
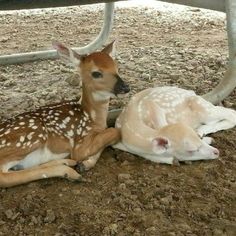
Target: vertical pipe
(228, 83)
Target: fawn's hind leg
(219, 118)
(47, 170)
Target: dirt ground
(124, 194)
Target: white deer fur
(163, 125)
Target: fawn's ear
(160, 145)
(67, 54)
(110, 49)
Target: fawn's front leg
(90, 150)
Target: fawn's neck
(98, 110)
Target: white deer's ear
(110, 49)
(160, 145)
(67, 54)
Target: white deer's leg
(198, 158)
(208, 140)
(219, 118)
(214, 127)
(158, 159)
(213, 118)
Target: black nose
(121, 87)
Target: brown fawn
(50, 141)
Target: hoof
(176, 162)
(80, 168)
(80, 179)
(188, 162)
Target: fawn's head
(98, 71)
(181, 141)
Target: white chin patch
(102, 95)
(124, 95)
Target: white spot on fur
(4, 141)
(29, 136)
(93, 115)
(62, 126)
(71, 113)
(22, 138)
(66, 120)
(7, 132)
(70, 133)
(79, 131)
(88, 128)
(18, 144)
(86, 114)
(84, 133)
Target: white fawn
(34, 145)
(163, 125)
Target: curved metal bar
(52, 54)
(216, 5)
(230, 6)
(228, 83)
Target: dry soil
(124, 194)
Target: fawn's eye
(193, 151)
(96, 74)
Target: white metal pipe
(228, 83)
(216, 5)
(52, 54)
(230, 6)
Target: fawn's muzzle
(121, 87)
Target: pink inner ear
(161, 142)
